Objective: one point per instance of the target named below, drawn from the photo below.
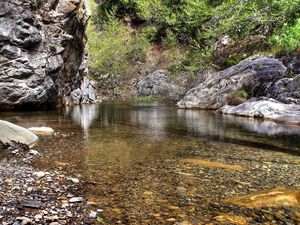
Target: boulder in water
(41, 130)
(11, 132)
(266, 108)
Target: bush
(195, 28)
(287, 38)
(113, 50)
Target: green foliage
(113, 50)
(148, 99)
(191, 30)
(287, 38)
(170, 41)
(241, 93)
(239, 18)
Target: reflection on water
(83, 115)
(159, 121)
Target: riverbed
(155, 164)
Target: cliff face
(42, 53)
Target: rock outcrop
(157, 85)
(11, 132)
(42, 51)
(286, 90)
(251, 76)
(267, 109)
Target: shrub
(114, 50)
(287, 38)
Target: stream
(140, 164)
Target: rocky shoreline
(256, 87)
(53, 197)
(31, 196)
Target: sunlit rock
(266, 108)
(278, 197)
(250, 77)
(209, 164)
(11, 132)
(231, 219)
(42, 130)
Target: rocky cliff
(42, 53)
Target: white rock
(76, 199)
(42, 130)
(34, 152)
(25, 220)
(9, 132)
(93, 214)
(73, 179)
(39, 174)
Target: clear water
(130, 154)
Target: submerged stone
(11, 132)
(31, 204)
(41, 130)
(231, 219)
(209, 164)
(278, 197)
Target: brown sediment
(210, 164)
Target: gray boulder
(266, 108)
(250, 76)
(157, 85)
(11, 132)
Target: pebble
(25, 220)
(93, 214)
(31, 204)
(74, 180)
(76, 199)
(39, 174)
(34, 152)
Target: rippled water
(130, 152)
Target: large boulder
(157, 85)
(266, 108)
(250, 77)
(11, 132)
(42, 51)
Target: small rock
(16, 151)
(74, 180)
(76, 199)
(38, 217)
(39, 174)
(25, 220)
(171, 220)
(33, 152)
(93, 214)
(31, 204)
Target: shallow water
(130, 154)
